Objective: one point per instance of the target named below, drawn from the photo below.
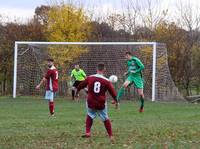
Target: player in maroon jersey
(96, 101)
(51, 79)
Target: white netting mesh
(31, 67)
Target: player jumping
(135, 67)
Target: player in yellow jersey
(78, 76)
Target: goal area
(30, 66)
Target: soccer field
(25, 124)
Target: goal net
(30, 66)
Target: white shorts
(103, 114)
(49, 95)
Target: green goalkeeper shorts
(137, 81)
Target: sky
(24, 9)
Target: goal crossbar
(153, 44)
(85, 43)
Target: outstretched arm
(113, 93)
(41, 82)
(82, 85)
(48, 74)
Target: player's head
(77, 67)
(50, 62)
(101, 68)
(128, 55)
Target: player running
(96, 101)
(51, 80)
(135, 67)
(79, 76)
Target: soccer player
(79, 76)
(135, 67)
(51, 80)
(96, 100)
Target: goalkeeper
(78, 75)
(135, 67)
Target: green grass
(24, 124)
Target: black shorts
(76, 83)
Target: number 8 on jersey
(97, 87)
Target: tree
(189, 19)
(67, 23)
(41, 14)
(179, 54)
(9, 33)
(174, 37)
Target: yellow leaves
(168, 33)
(64, 55)
(147, 53)
(67, 23)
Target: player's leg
(74, 89)
(77, 84)
(91, 114)
(122, 89)
(50, 97)
(141, 95)
(108, 126)
(138, 81)
(107, 123)
(88, 125)
(73, 92)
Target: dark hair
(128, 53)
(50, 60)
(100, 66)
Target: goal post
(151, 44)
(15, 70)
(154, 72)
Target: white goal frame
(153, 44)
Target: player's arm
(113, 93)
(41, 82)
(82, 85)
(44, 79)
(72, 78)
(140, 65)
(126, 73)
(83, 74)
(72, 75)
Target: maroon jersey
(52, 79)
(97, 86)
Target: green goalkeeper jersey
(78, 75)
(135, 66)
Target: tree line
(137, 22)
